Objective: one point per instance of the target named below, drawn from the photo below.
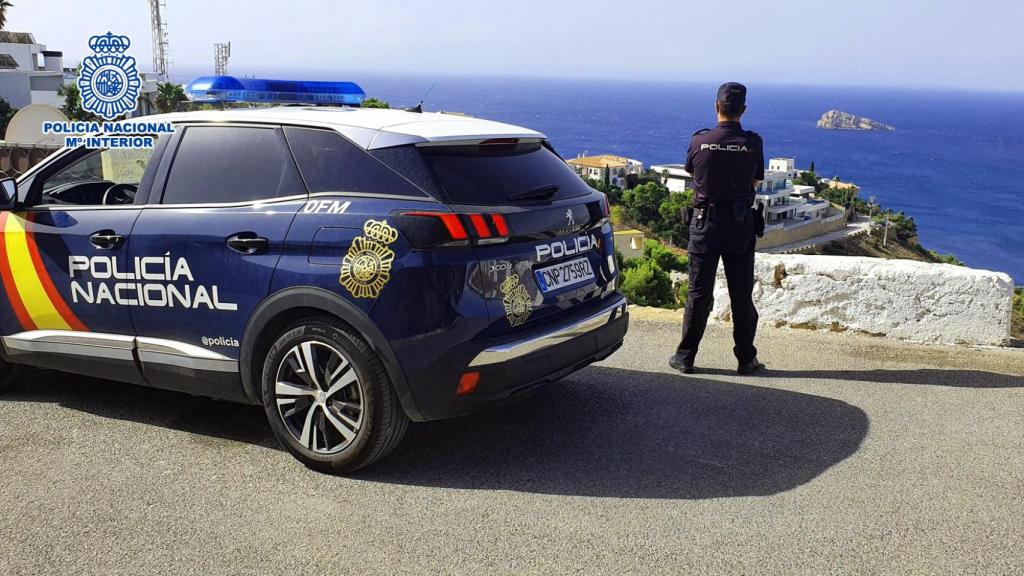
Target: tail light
(605, 210)
(429, 229)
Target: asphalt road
(851, 456)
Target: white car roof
(369, 127)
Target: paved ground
(852, 456)
(860, 225)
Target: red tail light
(426, 229)
(605, 210)
(500, 224)
(480, 225)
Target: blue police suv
(348, 269)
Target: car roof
(369, 127)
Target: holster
(759, 221)
(688, 215)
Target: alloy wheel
(319, 397)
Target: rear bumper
(510, 367)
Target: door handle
(106, 240)
(247, 243)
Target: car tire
(339, 416)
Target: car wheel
(329, 399)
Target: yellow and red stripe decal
(37, 303)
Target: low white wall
(900, 299)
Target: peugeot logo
(570, 220)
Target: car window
(85, 180)
(223, 164)
(330, 163)
(495, 175)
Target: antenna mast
(221, 54)
(159, 32)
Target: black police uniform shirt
(724, 162)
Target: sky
(906, 43)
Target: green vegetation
(645, 284)
(375, 103)
(72, 107)
(6, 113)
(663, 257)
(4, 5)
(168, 96)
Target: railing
(16, 159)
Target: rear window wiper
(544, 192)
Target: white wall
(901, 299)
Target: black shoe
(681, 366)
(750, 367)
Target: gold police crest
(518, 305)
(366, 267)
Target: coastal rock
(901, 299)
(838, 120)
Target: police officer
(727, 163)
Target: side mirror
(8, 193)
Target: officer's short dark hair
(732, 97)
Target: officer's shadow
(924, 376)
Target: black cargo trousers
(718, 236)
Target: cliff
(838, 120)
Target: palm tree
(4, 5)
(168, 94)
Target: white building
(615, 170)
(29, 73)
(787, 165)
(675, 176)
(785, 204)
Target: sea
(955, 162)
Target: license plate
(565, 274)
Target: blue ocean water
(955, 162)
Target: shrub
(683, 292)
(664, 258)
(647, 285)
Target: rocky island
(838, 120)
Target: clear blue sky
(973, 45)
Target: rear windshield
(502, 174)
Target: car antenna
(419, 107)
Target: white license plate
(565, 274)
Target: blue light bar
(231, 89)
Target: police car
(348, 269)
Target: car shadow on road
(602, 432)
(619, 433)
(926, 376)
(172, 410)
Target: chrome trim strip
(514, 350)
(202, 364)
(118, 347)
(184, 355)
(173, 347)
(72, 343)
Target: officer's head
(732, 100)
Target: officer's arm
(689, 159)
(759, 173)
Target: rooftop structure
(787, 165)
(674, 176)
(29, 73)
(611, 169)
